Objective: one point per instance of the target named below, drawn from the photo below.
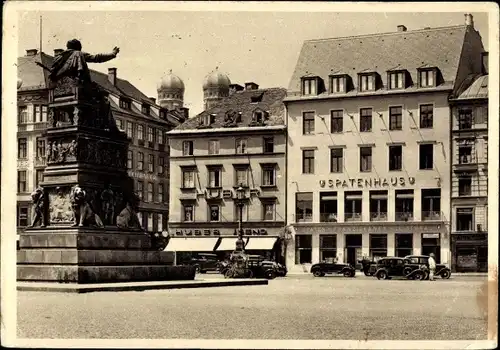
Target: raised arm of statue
(101, 57)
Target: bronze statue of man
(73, 62)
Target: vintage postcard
(285, 175)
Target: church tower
(171, 92)
(215, 88)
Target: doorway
(353, 249)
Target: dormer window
(427, 77)
(125, 103)
(309, 86)
(258, 117)
(146, 109)
(338, 84)
(367, 82)
(209, 119)
(397, 80)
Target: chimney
(152, 99)
(112, 75)
(235, 88)
(58, 51)
(484, 62)
(251, 86)
(31, 52)
(186, 112)
(402, 28)
(469, 20)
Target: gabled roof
(439, 47)
(272, 103)
(477, 90)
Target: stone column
(365, 244)
(340, 247)
(315, 248)
(417, 243)
(391, 244)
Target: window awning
(227, 244)
(191, 244)
(261, 243)
(404, 195)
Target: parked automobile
(368, 266)
(204, 262)
(253, 266)
(390, 267)
(332, 267)
(281, 269)
(441, 269)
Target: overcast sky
(262, 47)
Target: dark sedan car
(390, 267)
(323, 268)
(204, 262)
(441, 270)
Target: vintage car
(368, 266)
(332, 267)
(204, 262)
(390, 267)
(418, 260)
(251, 266)
(281, 269)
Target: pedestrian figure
(432, 267)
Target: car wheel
(420, 276)
(382, 275)
(318, 273)
(445, 274)
(348, 273)
(367, 273)
(197, 269)
(407, 271)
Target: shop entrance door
(482, 259)
(431, 244)
(353, 251)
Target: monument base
(86, 255)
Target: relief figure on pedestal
(127, 218)
(48, 151)
(38, 200)
(60, 207)
(108, 205)
(72, 149)
(84, 214)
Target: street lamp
(240, 192)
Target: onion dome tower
(171, 92)
(215, 88)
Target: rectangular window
(187, 148)
(337, 121)
(45, 110)
(395, 157)
(241, 177)
(125, 103)
(140, 190)
(119, 124)
(40, 148)
(426, 116)
(241, 146)
(309, 86)
(22, 117)
(328, 206)
(38, 113)
(151, 134)
(140, 161)
(378, 246)
(308, 161)
(336, 160)
(327, 248)
(39, 177)
(130, 130)
(268, 176)
(268, 144)
(268, 211)
(150, 192)
(150, 223)
(22, 148)
(214, 212)
(426, 156)
(140, 132)
(396, 80)
(404, 205)
(303, 249)
(188, 213)
(427, 78)
(465, 219)
(303, 206)
(161, 165)
(213, 147)
(431, 204)
(465, 185)
(396, 118)
(130, 160)
(146, 109)
(365, 159)
(161, 194)
(465, 118)
(367, 82)
(404, 244)
(159, 136)
(308, 123)
(160, 222)
(365, 119)
(188, 179)
(215, 177)
(22, 216)
(378, 205)
(353, 205)
(151, 163)
(465, 154)
(337, 84)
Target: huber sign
(368, 183)
(219, 232)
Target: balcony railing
(431, 215)
(328, 217)
(378, 216)
(404, 216)
(22, 127)
(352, 217)
(304, 217)
(40, 126)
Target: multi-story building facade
(369, 143)
(469, 176)
(235, 148)
(140, 117)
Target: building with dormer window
(237, 144)
(369, 143)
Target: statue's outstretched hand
(116, 50)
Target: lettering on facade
(471, 237)
(217, 232)
(139, 175)
(368, 183)
(227, 194)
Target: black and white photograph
(249, 175)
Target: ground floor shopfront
(187, 241)
(469, 252)
(349, 243)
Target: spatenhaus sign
(368, 183)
